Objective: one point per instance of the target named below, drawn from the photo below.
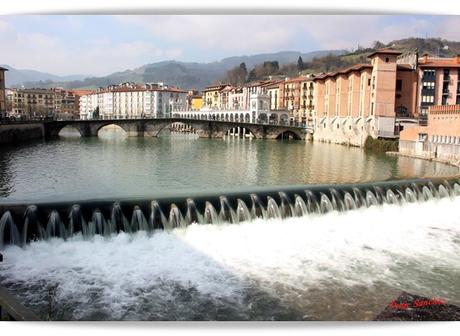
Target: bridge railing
(258, 121)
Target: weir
(21, 223)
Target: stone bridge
(152, 127)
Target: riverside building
(439, 139)
(380, 99)
(34, 103)
(2, 93)
(130, 100)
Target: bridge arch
(247, 118)
(53, 129)
(273, 119)
(284, 119)
(129, 130)
(153, 128)
(289, 135)
(69, 131)
(263, 118)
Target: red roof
(385, 51)
(427, 62)
(356, 67)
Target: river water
(335, 266)
(114, 166)
(338, 266)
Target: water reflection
(111, 165)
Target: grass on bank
(380, 145)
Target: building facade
(43, 103)
(130, 100)
(381, 98)
(439, 139)
(438, 82)
(2, 93)
(212, 96)
(194, 100)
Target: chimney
(425, 58)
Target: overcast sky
(99, 45)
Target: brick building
(379, 99)
(439, 139)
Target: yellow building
(307, 107)
(197, 102)
(212, 96)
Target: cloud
(48, 53)
(347, 31)
(449, 28)
(265, 33)
(234, 34)
(100, 45)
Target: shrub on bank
(381, 145)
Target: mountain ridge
(194, 75)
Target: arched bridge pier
(152, 127)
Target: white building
(129, 100)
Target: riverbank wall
(15, 133)
(453, 161)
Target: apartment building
(212, 96)
(274, 90)
(307, 106)
(438, 81)
(290, 97)
(130, 100)
(2, 93)
(33, 103)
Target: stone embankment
(16, 133)
(451, 161)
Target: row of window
(445, 139)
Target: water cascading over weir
(21, 223)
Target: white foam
(391, 244)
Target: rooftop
(356, 67)
(437, 62)
(385, 51)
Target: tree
(300, 65)
(378, 45)
(243, 70)
(237, 75)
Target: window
(387, 59)
(428, 85)
(399, 85)
(446, 74)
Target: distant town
(394, 96)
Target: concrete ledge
(15, 133)
(452, 162)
